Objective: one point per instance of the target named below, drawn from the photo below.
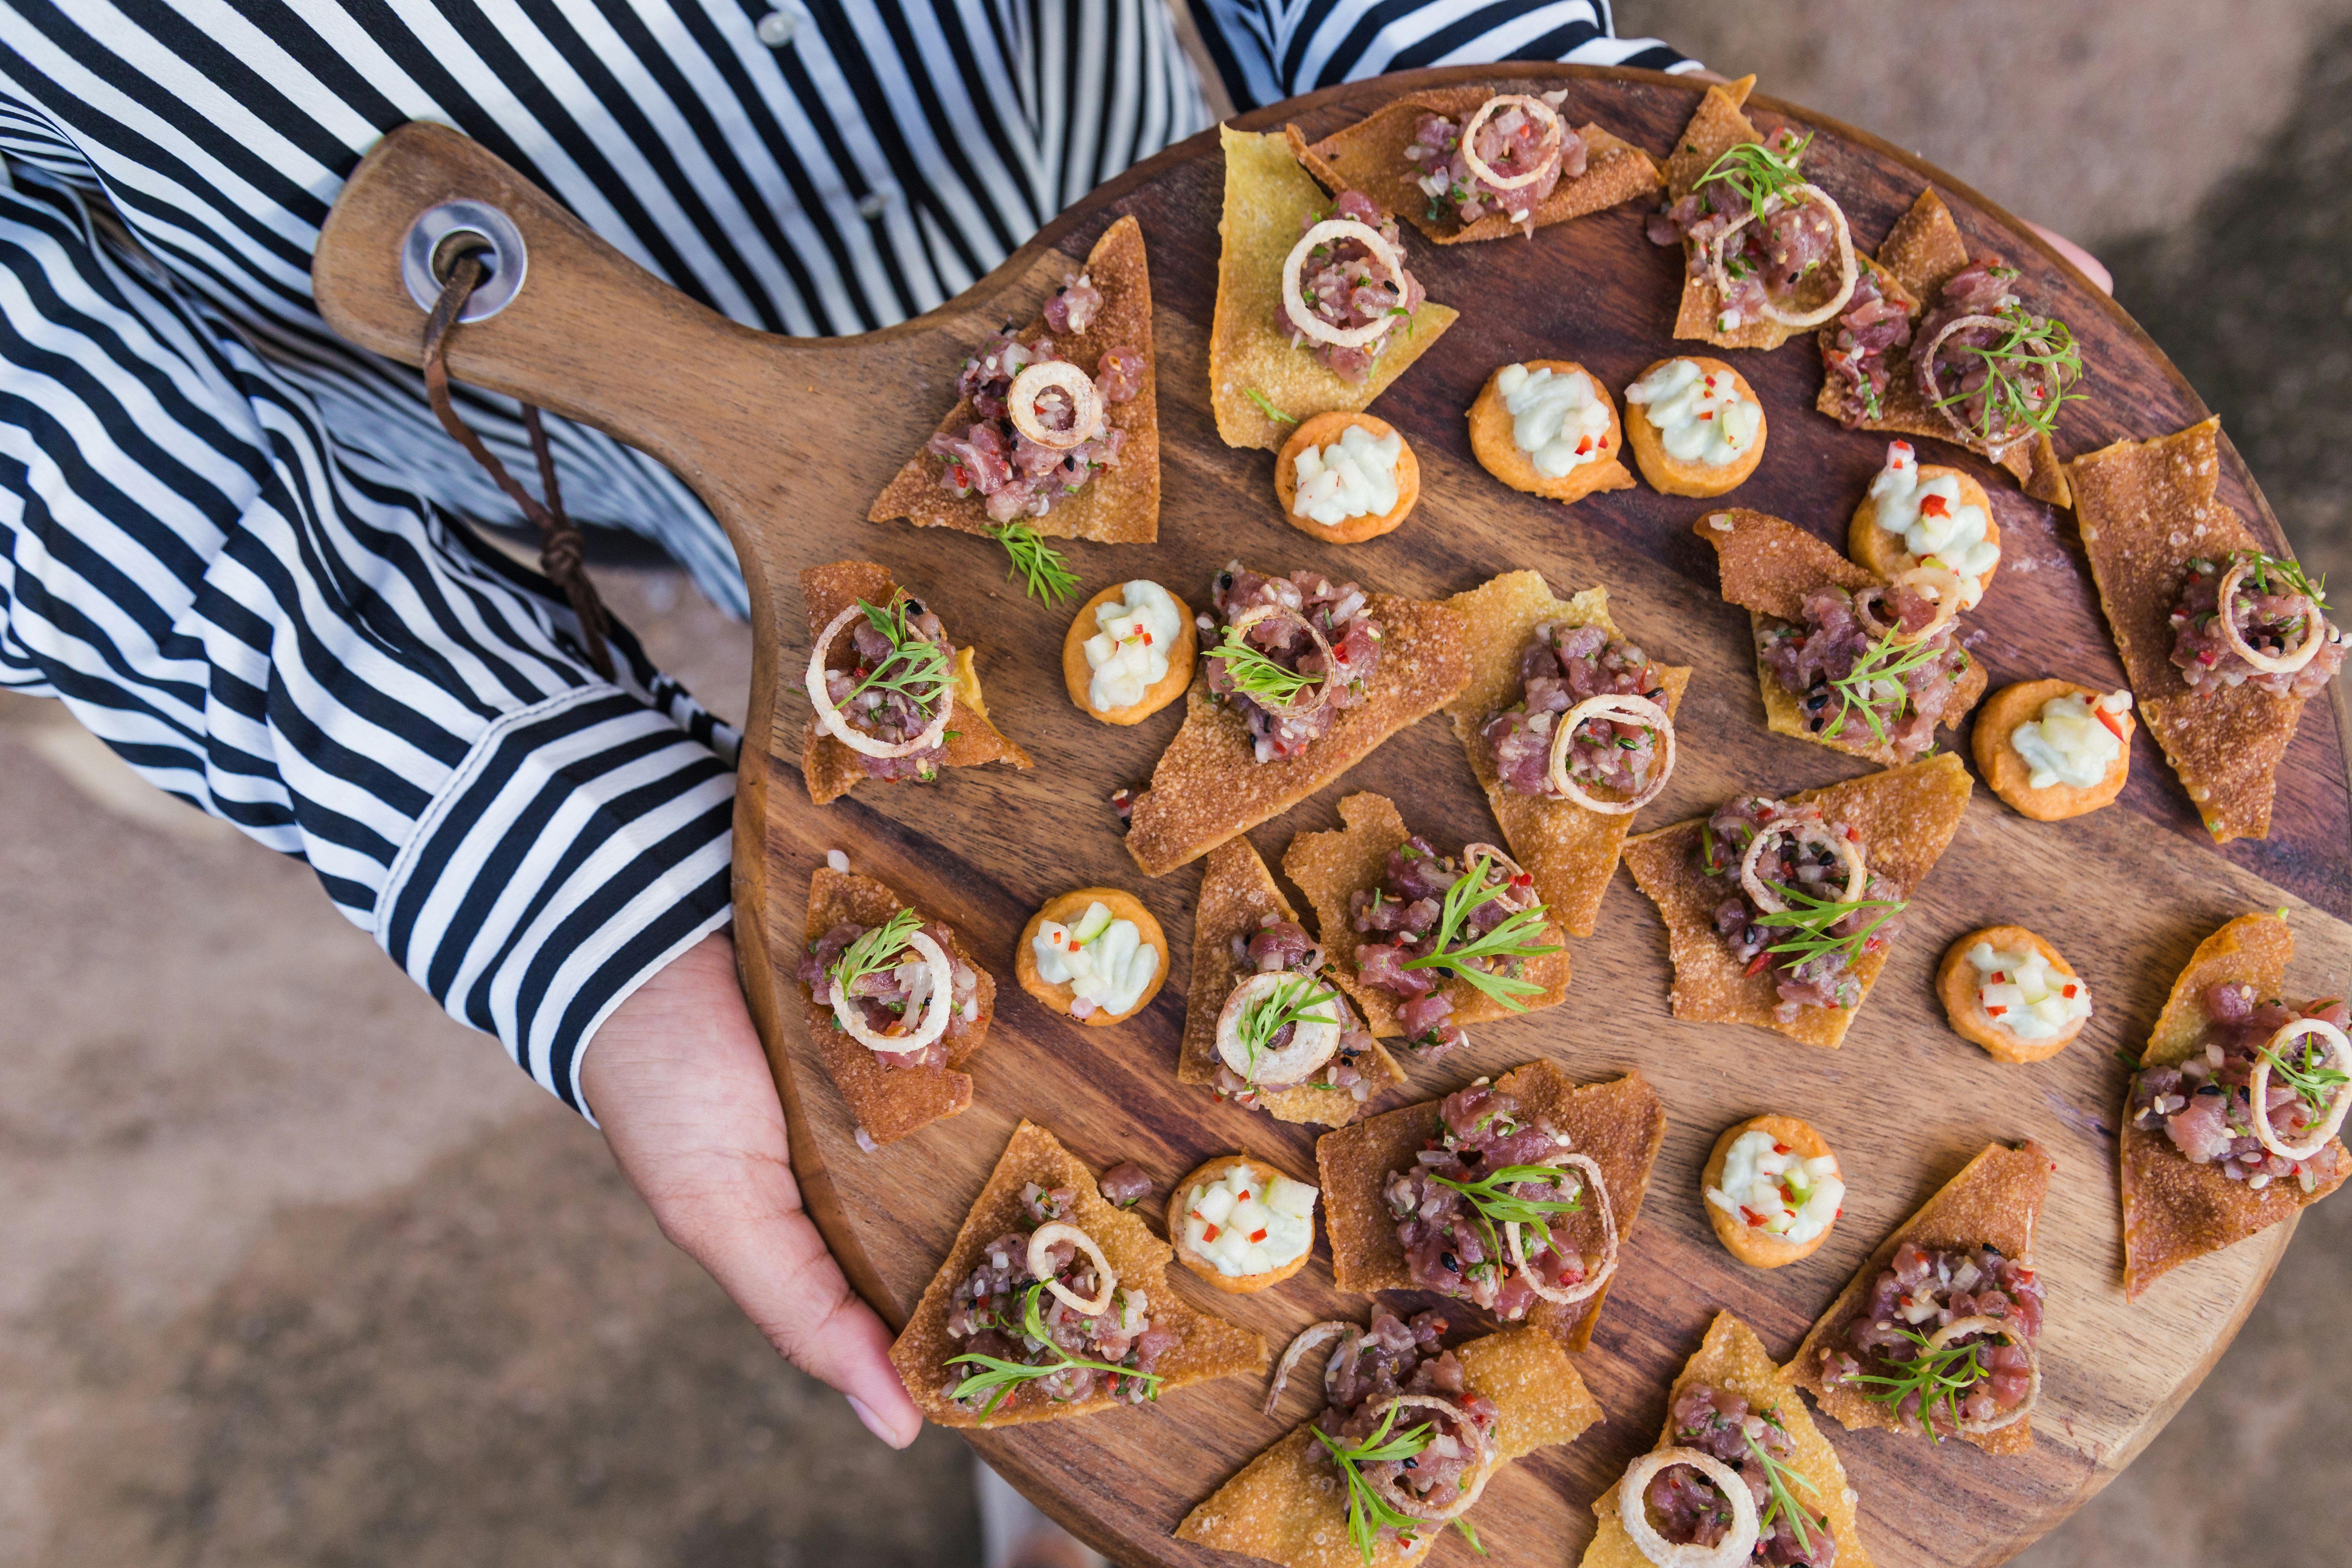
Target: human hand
(677, 1080)
(2089, 265)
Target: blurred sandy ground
(299, 1272)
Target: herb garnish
(1495, 1206)
(1784, 1504)
(1367, 1510)
(1886, 660)
(1275, 685)
(1000, 1377)
(2260, 566)
(1295, 1001)
(877, 949)
(2040, 347)
(1811, 918)
(1757, 172)
(1266, 406)
(1937, 1378)
(2315, 1084)
(916, 666)
(1510, 943)
(1039, 565)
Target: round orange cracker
(1673, 476)
(1077, 674)
(1321, 430)
(1068, 908)
(1956, 985)
(2007, 771)
(1180, 1198)
(1881, 550)
(1745, 1242)
(1491, 440)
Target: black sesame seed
(1453, 1264)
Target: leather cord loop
(562, 551)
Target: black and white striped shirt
(232, 543)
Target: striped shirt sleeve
(271, 631)
(1268, 50)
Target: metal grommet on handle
(443, 233)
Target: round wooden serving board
(789, 440)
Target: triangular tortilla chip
(1121, 505)
(1331, 867)
(1619, 1123)
(1237, 892)
(1209, 785)
(1269, 201)
(2175, 1210)
(1993, 1202)
(1569, 851)
(1209, 1346)
(1735, 1359)
(1369, 156)
(1905, 816)
(1717, 125)
(830, 769)
(1286, 1506)
(889, 1101)
(1922, 251)
(2144, 508)
(1768, 565)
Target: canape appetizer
(1768, 252)
(1129, 652)
(1773, 1190)
(1344, 478)
(1300, 677)
(1570, 728)
(1467, 164)
(1096, 955)
(1548, 428)
(1695, 427)
(1934, 343)
(1919, 515)
(1410, 1434)
(2221, 693)
(1863, 665)
(894, 700)
(1056, 429)
(1053, 1303)
(2054, 750)
(1516, 1196)
(1426, 942)
(2012, 993)
(1263, 1028)
(1241, 1225)
(895, 1004)
(1779, 913)
(1938, 1334)
(1317, 311)
(1741, 1474)
(2201, 1167)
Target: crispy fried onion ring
(2000, 1328)
(1948, 593)
(1331, 231)
(1308, 1338)
(1086, 404)
(1805, 831)
(2339, 1051)
(938, 1005)
(1313, 1039)
(1568, 1295)
(1382, 1478)
(1849, 269)
(2314, 631)
(1547, 151)
(1634, 710)
(1517, 895)
(1312, 696)
(1976, 441)
(1042, 1267)
(848, 734)
(1633, 1510)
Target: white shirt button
(776, 28)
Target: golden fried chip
(1904, 816)
(1209, 1347)
(1121, 505)
(1269, 203)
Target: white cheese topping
(1936, 527)
(2069, 743)
(1104, 962)
(1353, 477)
(1242, 1230)
(1700, 416)
(2023, 994)
(1130, 655)
(1768, 1187)
(1559, 421)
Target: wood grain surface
(789, 440)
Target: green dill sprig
(1783, 1503)
(1267, 406)
(999, 1378)
(2040, 348)
(1040, 566)
(1495, 1207)
(1368, 1511)
(2315, 1084)
(874, 950)
(1295, 1001)
(1512, 941)
(916, 666)
(2259, 568)
(1811, 918)
(1756, 171)
(1937, 1378)
(1274, 685)
(1886, 660)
